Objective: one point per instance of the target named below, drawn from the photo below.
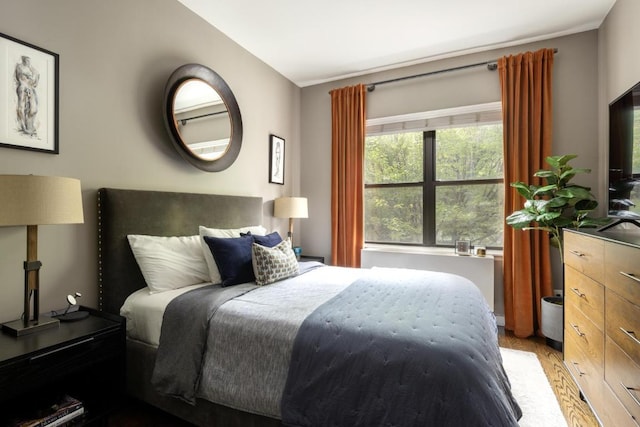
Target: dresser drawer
(614, 414)
(587, 374)
(585, 254)
(585, 294)
(623, 324)
(586, 335)
(622, 270)
(623, 376)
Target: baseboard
(500, 320)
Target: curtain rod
(188, 119)
(491, 66)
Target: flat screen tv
(624, 158)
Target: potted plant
(558, 204)
(552, 207)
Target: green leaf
(575, 171)
(586, 205)
(558, 202)
(573, 185)
(575, 192)
(541, 191)
(562, 221)
(543, 173)
(523, 189)
(547, 217)
(520, 219)
(540, 205)
(552, 180)
(553, 161)
(560, 160)
(565, 177)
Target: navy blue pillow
(270, 240)
(233, 258)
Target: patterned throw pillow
(273, 264)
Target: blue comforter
(399, 348)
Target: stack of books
(65, 412)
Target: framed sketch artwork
(276, 160)
(28, 96)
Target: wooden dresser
(602, 322)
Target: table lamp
(36, 200)
(290, 207)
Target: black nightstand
(312, 258)
(83, 359)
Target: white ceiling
(311, 42)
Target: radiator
(480, 270)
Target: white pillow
(214, 273)
(169, 262)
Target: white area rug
(532, 390)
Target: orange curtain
(526, 84)
(347, 163)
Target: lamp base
(18, 329)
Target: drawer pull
(577, 329)
(66, 347)
(629, 391)
(576, 365)
(630, 276)
(577, 292)
(630, 334)
(576, 253)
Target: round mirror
(203, 117)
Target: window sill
(432, 250)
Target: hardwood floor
(576, 411)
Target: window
(433, 187)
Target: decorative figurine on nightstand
(74, 315)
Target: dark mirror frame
(201, 72)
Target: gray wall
(575, 118)
(115, 57)
(618, 65)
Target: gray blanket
(415, 349)
(185, 327)
(185, 336)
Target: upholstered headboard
(157, 213)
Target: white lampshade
(290, 207)
(39, 200)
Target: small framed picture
(276, 160)
(463, 247)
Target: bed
(327, 346)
